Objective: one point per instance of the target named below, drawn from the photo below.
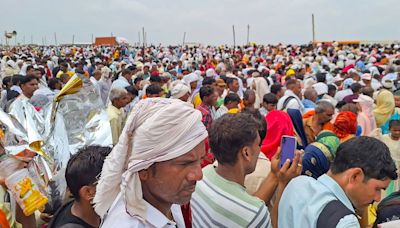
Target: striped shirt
(218, 202)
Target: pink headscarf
(278, 124)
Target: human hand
(290, 171)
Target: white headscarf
(163, 129)
(179, 90)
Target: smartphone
(288, 147)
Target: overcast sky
(204, 21)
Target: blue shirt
(304, 199)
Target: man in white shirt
(154, 167)
(292, 97)
(123, 80)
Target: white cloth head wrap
(163, 129)
(179, 90)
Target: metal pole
(139, 39)
(248, 34)
(234, 36)
(92, 39)
(184, 37)
(313, 28)
(55, 39)
(73, 39)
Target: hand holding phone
(288, 147)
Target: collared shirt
(116, 117)
(121, 82)
(118, 217)
(293, 103)
(206, 113)
(304, 199)
(218, 202)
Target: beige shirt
(117, 118)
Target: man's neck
(163, 207)
(86, 213)
(231, 173)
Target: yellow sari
(384, 107)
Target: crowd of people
(195, 135)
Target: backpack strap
(332, 213)
(286, 102)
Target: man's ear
(144, 174)
(355, 176)
(245, 153)
(87, 192)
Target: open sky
(204, 21)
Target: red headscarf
(278, 124)
(345, 124)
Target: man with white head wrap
(154, 168)
(180, 91)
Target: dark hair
(137, 80)
(231, 97)
(275, 88)
(356, 87)
(125, 72)
(155, 78)
(84, 167)
(262, 130)
(206, 91)
(30, 67)
(208, 81)
(270, 98)
(27, 79)
(6, 80)
(229, 134)
(53, 82)
(331, 88)
(321, 77)
(153, 89)
(230, 80)
(132, 90)
(369, 154)
(394, 123)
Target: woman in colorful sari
(319, 155)
(278, 124)
(345, 126)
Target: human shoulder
(348, 221)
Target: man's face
(362, 193)
(270, 106)
(185, 97)
(146, 69)
(173, 181)
(37, 74)
(280, 93)
(30, 72)
(29, 88)
(326, 116)
(234, 86)
(397, 101)
(122, 101)
(395, 132)
(253, 152)
(297, 90)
